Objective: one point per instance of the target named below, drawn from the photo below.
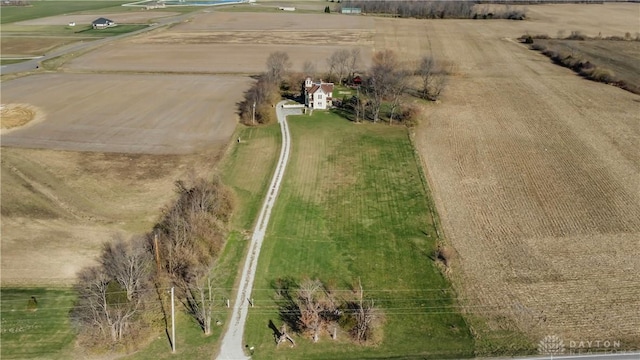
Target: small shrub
(32, 304)
(603, 75)
(576, 35)
(541, 36)
(538, 47)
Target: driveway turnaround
(232, 347)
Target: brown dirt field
(23, 46)
(535, 174)
(127, 113)
(132, 17)
(221, 42)
(58, 207)
(132, 136)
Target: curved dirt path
(231, 347)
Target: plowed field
(536, 174)
(222, 42)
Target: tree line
(124, 296)
(384, 85)
(439, 9)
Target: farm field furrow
(536, 177)
(126, 113)
(234, 43)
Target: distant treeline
(439, 9)
(534, 2)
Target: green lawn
(39, 9)
(35, 332)
(352, 205)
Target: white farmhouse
(317, 95)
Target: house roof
(102, 21)
(327, 88)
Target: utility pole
(155, 245)
(253, 115)
(173, 324)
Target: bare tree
(339, 63)
(310, 306)
(199, 298)
(309, 69)
(354, 58)
(367, 316)
(278, 64)
(128, 262)
(309, 309)
(382, 76)
(397, 89)
(438, 85)
(193, 229)
(103, 309)
(425, 70)
(433, 78)
(258, 100)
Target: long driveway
(232, 347)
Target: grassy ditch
(35, 323)
(352, 206)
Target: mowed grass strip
(352, 206)
(35, 331)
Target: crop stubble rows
(535, 174)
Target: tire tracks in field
(41, 189)
(231, 346)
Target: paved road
(30, 65)
(611, 356)
(232, 347)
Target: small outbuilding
(351, 10)
(102, 23)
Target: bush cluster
(581, 66)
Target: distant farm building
(318, 95)
(351, 10)
(155, 5)
(102, 23)
(287, 8)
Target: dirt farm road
(231, 347)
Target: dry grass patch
(58, 207)
(16, 115)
